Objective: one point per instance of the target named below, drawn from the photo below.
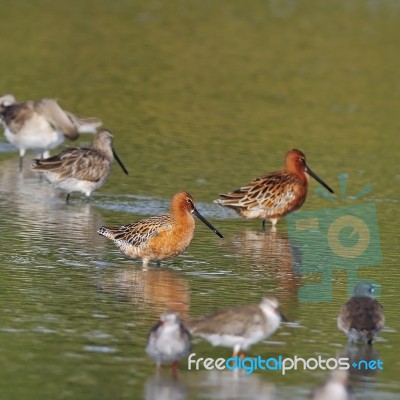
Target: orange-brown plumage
(161, 237)
(275, 194)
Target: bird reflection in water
(163, 387)
(361, 355)
(234, 386)
(223, 385)
(270, 254)
(158, 289)
(39, 217)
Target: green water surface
(201, 96)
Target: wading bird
(336, 387)
(80, 169)
(168, 340)
(161, 237)
(274, 195)
(239, 327)
(361, 318)
(40, 125)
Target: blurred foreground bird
(168, 340)
(361, 318)
(239, 327)
(336, 387)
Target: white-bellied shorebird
(168, 340)
(239, 327)
(336, 387)
(80, 169)
(40, 125)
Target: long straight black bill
(205, 222)
(120, 162)
(318, 179)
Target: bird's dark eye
(190, 201)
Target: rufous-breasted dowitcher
(168, 340)
(161, 237)
(361, 317)
(276, 194)
(40, 125)
(81, 169)
(239, 327)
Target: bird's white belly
(70, 185)
(169, 346)
(233, 340)
(36, 134)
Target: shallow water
(201, 97)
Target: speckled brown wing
(232, 321)
(362, 313)
(273, 192)
(140, 232)
(78, 163)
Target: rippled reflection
(160, 387)
(365, 353)
(38, 215)
(231, 385)
(156, 289)
(200, 96)
(223, 385)
(271, 254)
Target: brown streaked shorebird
(168, 340)
(161, 237)
(239, 327)
(81, 169)
(40, 125)
(274, 195)
(361, 318)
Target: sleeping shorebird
(40, 125)
(276, 194)
(239, 327)
(361, 318)
(161, 237)
(168, 340)
(81, 169)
